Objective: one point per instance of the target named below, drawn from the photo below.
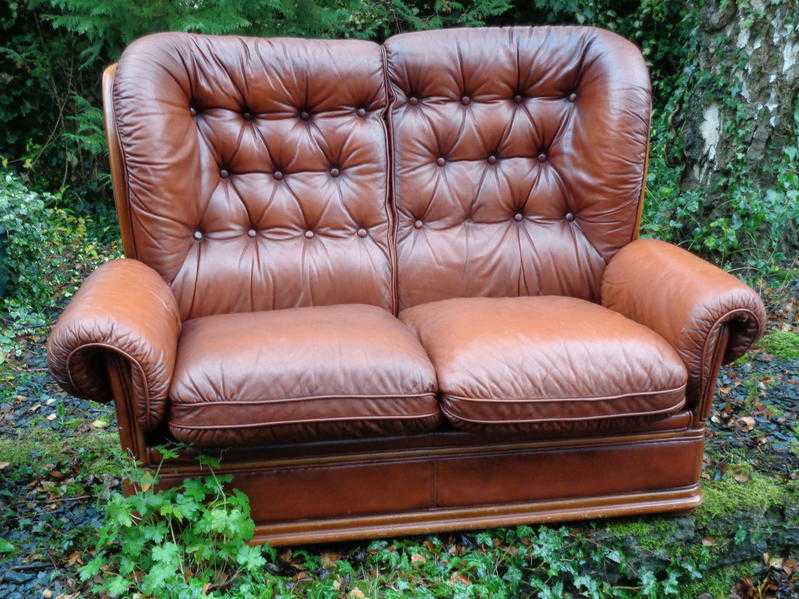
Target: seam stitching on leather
(550, 399)
(174, 424)
(639, 207)
(390, 205)
(561, 419)
(293, 399)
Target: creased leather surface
(257, 170)
(300, 374)
(686, 300)
(544, 361)
(123, 307)
(518, 159)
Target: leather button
(466, 100)
(334, 172)
(192, 111)
(277, 175)
(417, 224)
(492, 159)
(413, 100)
(248, 116)
(224, 174)
(361, 112)
(572, 97)
(518, 217)
(362, 233)
(569, 217)
(198, 235)
(518, 98)
(542, 157)
(252, 233)
(304, 115)
(440, 161)
(308, 234)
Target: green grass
(729, 496)
(783, 344)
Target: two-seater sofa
(401, 286)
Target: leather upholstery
(257, 170)
(545, 364)
(253, 179)
(300, 374)
(518, 159)
(126, 308)
(686, 300)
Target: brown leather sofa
(401, 286)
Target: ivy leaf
(194, 488)
(168, 553)
(6, 547)
(117, 586)
(250, 558)
(157, 578)
(155, 532)
(91, 568)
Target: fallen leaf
(775, 562)
(418, 559)
(708, 541)
(457, 578)
(741, 477)
(746, 423)
(56, 474)
(4, 465)
(329, 559)
(99, 423)
(51, 417)
(356, 594)
(74, 558)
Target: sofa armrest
(706, 314)
(125, 308)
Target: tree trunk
(750, 51)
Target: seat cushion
(545, 364)
(301, 374)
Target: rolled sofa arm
(689, 302)
(126, 308)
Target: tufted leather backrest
(518, 159)
(256, 170)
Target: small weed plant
(187, 541)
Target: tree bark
(738, 109)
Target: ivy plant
(186, 541)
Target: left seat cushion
(546, 364)
(301, 374)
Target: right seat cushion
(545, 363)
(302, 374)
